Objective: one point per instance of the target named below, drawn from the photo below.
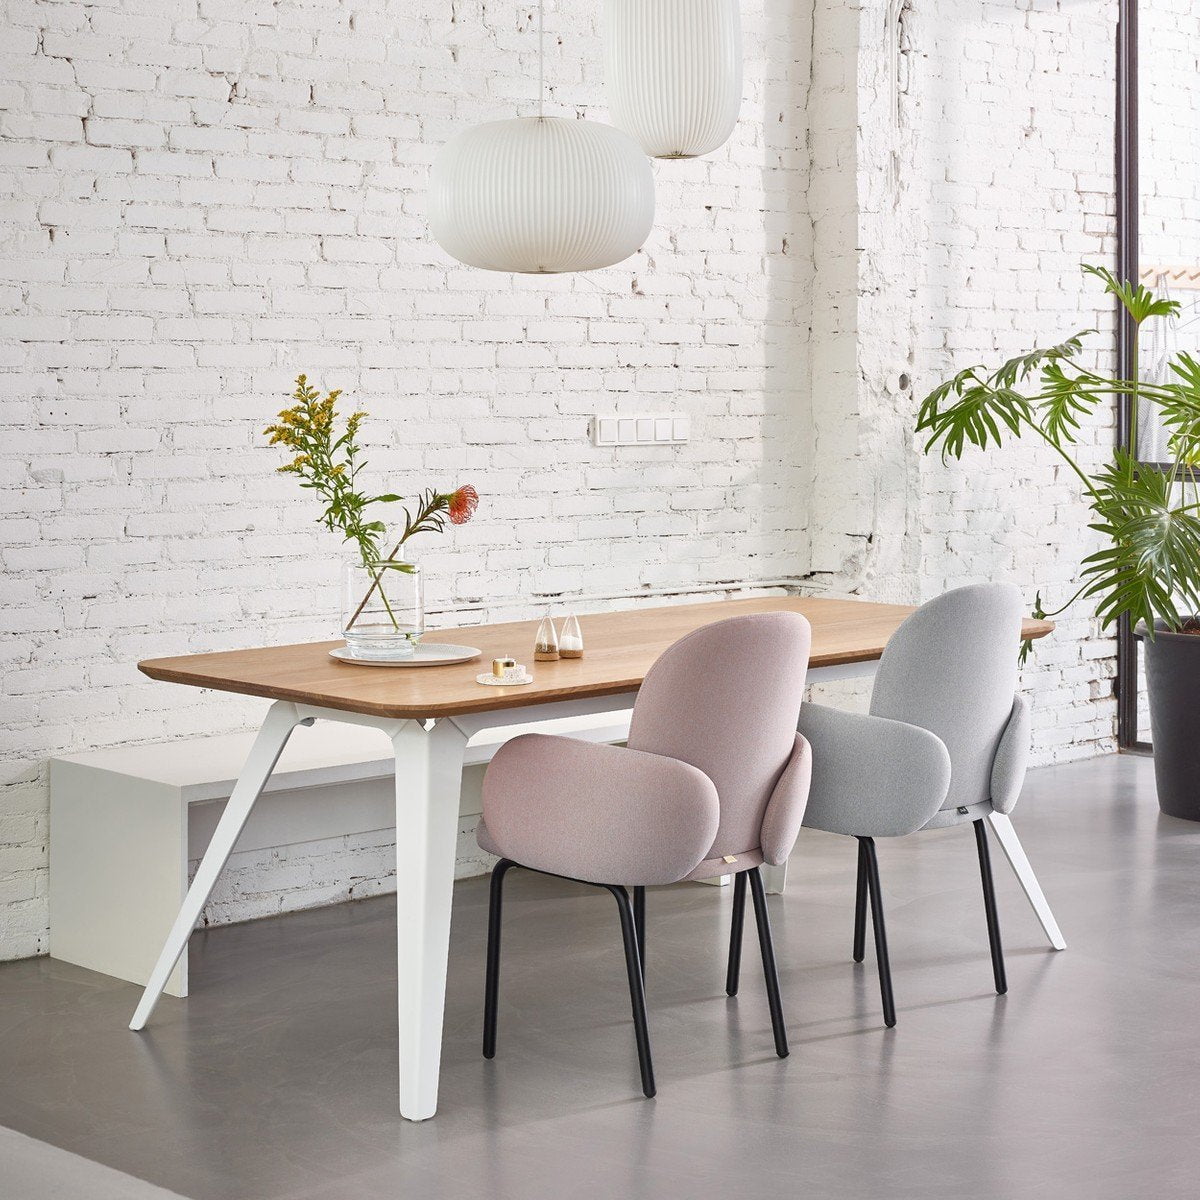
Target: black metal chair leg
(735, 934)
(492, 978)
(989, 907)
(881, 950)
(639, 925)
(770, 972)
(637, 994)
(860, 908)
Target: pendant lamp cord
(541, 59)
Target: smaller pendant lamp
(540, 195)
(673, 71)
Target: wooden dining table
(431, 715)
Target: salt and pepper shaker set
(549, 644)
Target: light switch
(652, 429)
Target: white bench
(124, 824)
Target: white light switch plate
(640, 429)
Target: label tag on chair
(730, 858)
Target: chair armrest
(872, 776)
(605, 814)
(785, 809)
(1012, 757)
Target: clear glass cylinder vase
(383, 609)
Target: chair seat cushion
(603, 814)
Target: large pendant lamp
(673, 71)
(539, 195)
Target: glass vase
(383, 609)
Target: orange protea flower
(462, 504)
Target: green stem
(1133, 403)
(383, 597)
(433, 505)
(1087, 483)
(1068, 604)
(371, 590)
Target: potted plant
(1149, 566)
(383, 613)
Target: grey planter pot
(1173, 681)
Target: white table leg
(1006, 835)
(774, 878)
(264, 754)
(428, 782)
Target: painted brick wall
(202, 199)
(985, 135)
(199, 202)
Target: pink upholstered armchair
(713, 781)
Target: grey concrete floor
(33, 1170)
(277, 1078)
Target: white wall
(200, 204)
(985, 178)
(201, 201)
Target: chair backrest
(951, 668)
(726, 699)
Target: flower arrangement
(1150, 564)
(328, 461)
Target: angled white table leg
(774, 878)
(428, 781)
(281, 719)
(1006, 835)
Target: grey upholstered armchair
(713, 781)
(945, 743)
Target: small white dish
(427, 654)
(490, 680)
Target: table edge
(489, 700)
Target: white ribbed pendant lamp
(540, 195)
(673, 70)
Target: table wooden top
(620, 647)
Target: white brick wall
(1035, 183)
(984, 173)
(198, 205)
(200, 202)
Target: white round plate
(428, 654)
